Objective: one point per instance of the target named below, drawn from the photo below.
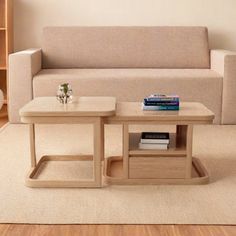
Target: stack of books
(154, 140)
(157, 102)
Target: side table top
(81, 106)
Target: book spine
(162, 99)
(161, 108)
(161, 103)
(163, 96)
(155, 141)
(153, 146)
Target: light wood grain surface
(189, 111)
(3, 115)
(3, 112)
(6, 42)
(81, 106)
(156, 167)
(3, 121)
(116, 230)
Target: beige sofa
(129, 63)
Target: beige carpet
(208, 204)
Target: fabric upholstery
(224, 62)
(200, 85)
(22, 67)
(129, 63)
(125, 47)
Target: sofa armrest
(22, 67)
(224, 62)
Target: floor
(116, 230)
(3, 115)
(149, 230)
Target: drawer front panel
(157, 167)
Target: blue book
(160, 103)
(160, 108)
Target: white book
(155, 141)
(157, 146)
(155, 137)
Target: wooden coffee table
(84, 110)
(173, 166)
(136, 166)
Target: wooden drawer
(157, 167)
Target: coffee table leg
(98, 150)
(189, 142)
(125, 132)
(185, 137)
(32, 145)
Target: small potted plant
(64, 93)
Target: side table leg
(32, 145)
(98, 150)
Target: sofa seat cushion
(197, 85)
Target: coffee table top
(81, 106)
(189, 111)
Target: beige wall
(218, 15)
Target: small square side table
(84, 110)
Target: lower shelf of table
(34, 180)
(113, 174)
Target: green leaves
(65, 87)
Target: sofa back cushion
(125, 47)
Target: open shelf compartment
(176, 147)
